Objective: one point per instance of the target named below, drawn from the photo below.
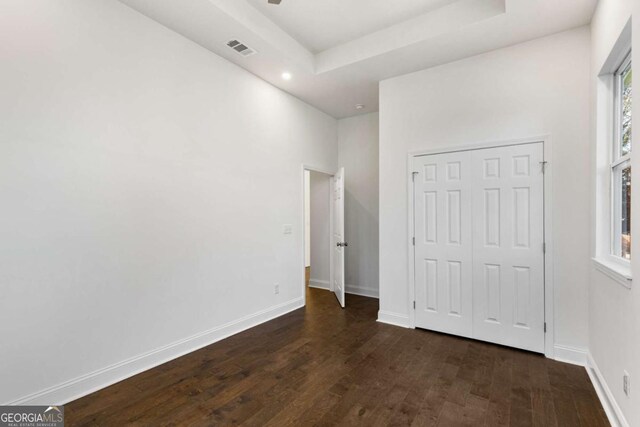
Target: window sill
(618, 272)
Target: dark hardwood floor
(322, 365)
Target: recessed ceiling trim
(440, 21)
(322, 24)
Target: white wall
(532, 89)
(614, 311)
(320, 229)
(307, 218)
(145, 183)
(358, 152)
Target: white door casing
(337, 236)
(479, 233)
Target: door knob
(342, 244)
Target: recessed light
(359, 106)
(286, 76)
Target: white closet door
(443, 242)
(508, 236)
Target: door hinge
(414, 305)
(545, 327)
(413, 240)
(544, 247)
(413, 176)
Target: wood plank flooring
(322, 365)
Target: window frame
(619, 162)
(615, 268)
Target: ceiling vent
(240, 48)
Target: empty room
(319, 212)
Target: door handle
(342, 244)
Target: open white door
(337, 236)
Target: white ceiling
(339, 50)
(322, 24)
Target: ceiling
(337, 51)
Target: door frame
(310, 168)
(549, 338)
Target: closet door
(443, 242)
(508, 236)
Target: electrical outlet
(276, 289)
(626, 383)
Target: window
(621, 164)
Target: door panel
(443, 243)
(508, 234)
(337, 240)
(479, 232)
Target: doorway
(479, 248)
(324, 244)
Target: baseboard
(393, 319)
(611, 408)
(358, 290)
(568, 354)
(319, 284)
(349, 289)
(94, 381)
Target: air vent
(241, 48)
